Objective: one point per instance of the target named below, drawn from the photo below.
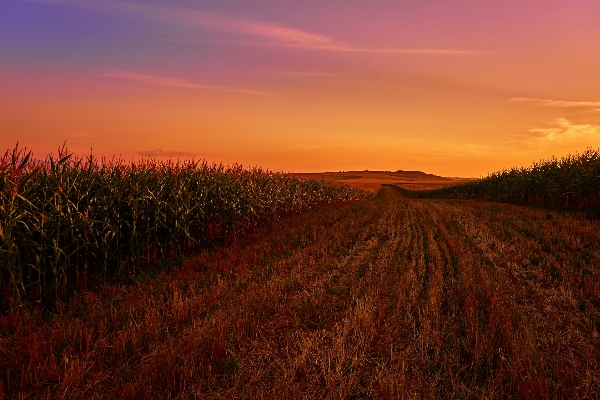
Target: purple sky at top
(442, 71)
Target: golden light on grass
(385, 298)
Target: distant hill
(408, 175)
(372, 180)
(417, 175)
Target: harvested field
(384, 298)
(372, 180)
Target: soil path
(388, 193)
(386, 298)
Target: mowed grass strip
(384, 298)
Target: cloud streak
(165, 153)
(564, 130)
(279, 34)
(276, 34)
(220, 23)
(83, 135)
(174, 82)
(556, 103)
(348, 48)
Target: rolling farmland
(297, 200)
(388, 297)
(372, 180)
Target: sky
(450, 87)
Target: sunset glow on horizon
(453, 88)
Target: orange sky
(455, 88)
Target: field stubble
(384, 298)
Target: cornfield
(67, 218)
(569, 183)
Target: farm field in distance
(388, 297)
(372, 180)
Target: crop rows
(68, 218)
(388, 298)
(572, 182)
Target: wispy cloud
(276, 34)
(279, 34)
(208, 21)
(221, 23)
(165, 153)
(173, 82)
(564, 130)
(557, 103)
(83, 135)
(348, 48)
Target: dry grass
(385, 298)
(373, 180)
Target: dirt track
(386, 298)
